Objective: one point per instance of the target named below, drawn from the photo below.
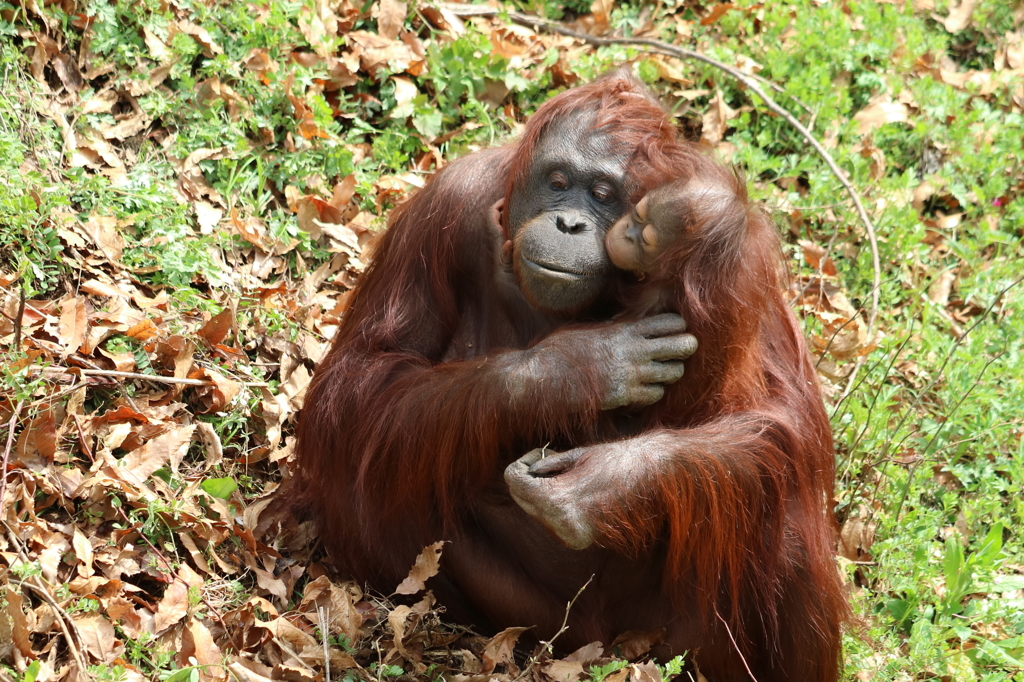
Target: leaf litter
(117, 531)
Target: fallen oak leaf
(173, 606)
(562, 671)
(219, 395)
(218, 327)
(390, 17)
(139, 464)
(97, 636)
(878, 114)
(635, 643)
(74, 321)
(500, 650)
(428, 563)
(405, 618)
(19, 623)
(959, 17)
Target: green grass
(930, 446)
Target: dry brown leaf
(37, 443)
(405, 90)
(959, 17)
(197, 643)
(814, 254)
(635, 643)
(390, 17)
(377, 52)
(83, 551)
(587, 653)
(295, 387)
(339, 601)
(856, 538)
(193, 549)
(67, 71)
(208, 216)
(716, 119)
(427, 565)
(319, 24)
(19, 623)
(940, 289)
(172, 607)
(562, 671)
(404, 618)
(241, 669)
(218, 327)
(879, 113)
(1014, 51)
(275, 408)
(217, 397)
(298, 641)
(139, 464)
(74, 320)
(203, 37)
(509, 42)
(500, 650)
(123, 361)
(211, 444)
(142, 331)
(644, 672)
(192, 183)
(271, 583)
(601, 10)
(922, 193)
(717, 13)
(103, 230)
(443, 19)
(670, 70)
(97, 634)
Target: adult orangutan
(490, 323)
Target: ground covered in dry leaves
(193, 191)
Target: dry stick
(7, 449)
(661, 47)
(548, 645)
(322, 616)
(736, 646)
(18, 317)
(949, 415)
(170, 569)
(64, 620)
(157, 378)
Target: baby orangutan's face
(638, 238)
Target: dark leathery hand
(552, 499)
(639, 358)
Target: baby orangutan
(654, 240)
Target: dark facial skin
(559, 217)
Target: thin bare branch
(11, 423)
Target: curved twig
(661, 47)
(15, 415)
(64, 620)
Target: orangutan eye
(601, 191)
(559, 181)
